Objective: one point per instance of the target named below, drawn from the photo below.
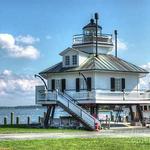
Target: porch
(95, 96)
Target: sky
(34, 32)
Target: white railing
(108, 95)
(133, 95)
(66, 101)
(51, 95)
(43, 95)
(81, 95)
(80, 112)
(82, 39)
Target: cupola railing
(101, 38)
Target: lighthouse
(89, 79)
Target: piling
(39, 119)
(17, 120)
(5, 120)
(44, 115)
(11, 118)
(28, 120)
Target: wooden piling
(44, 115)
(11, 118)
(28, 120)
(39, 119)
(17, 120)
(5, 120)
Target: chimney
(115, 43)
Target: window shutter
(123, 84)
(63, 85)
(53, 84)
(89, 84)
(112, 82)
(77, 84)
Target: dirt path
(133, 132)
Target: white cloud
(8, 43)
(145, 81)
(28, 39)
(17, 89)
(7, 72)
(121, 44)
(146, 66)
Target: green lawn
(24, 129)
(79, 144)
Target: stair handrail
(72, 99)
(95, 120)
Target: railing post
(81, 113)
(56, 94)
(123, 95)
(68, 103)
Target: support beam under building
(52, 114)
(47, 116)
(131, 113)
(140, 114)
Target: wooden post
(52, 114)
(17, 120)
(44, 115)
(12, 118)
(47, 116)
(28, 120)
(131, 113)
(5, 120)
(140, 114)
(39, 119)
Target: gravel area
(115, 133)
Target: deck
(95, 96)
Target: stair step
(76, 116)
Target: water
(35, 111)
(23, 112)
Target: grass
(79, 144)
(25, 129)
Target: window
(89, 84)
(145, 107)
(117, 84)
(74, 60)
(82, 84)
(67, 60)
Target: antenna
(115, 43)
(96, 18)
